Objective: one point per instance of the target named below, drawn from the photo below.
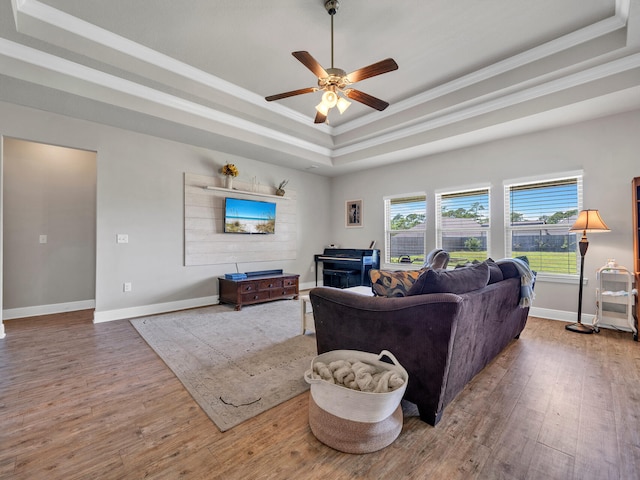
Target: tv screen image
(249, 216)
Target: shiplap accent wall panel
(205, 242)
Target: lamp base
(580, 328)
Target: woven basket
(353, 437)
(351, 404)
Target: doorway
(48, 228)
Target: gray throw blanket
(527, 278)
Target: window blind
(462, 224)
(405, 218)
(538, 217)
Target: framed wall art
(353, 213)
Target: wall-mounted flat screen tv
(249, 216)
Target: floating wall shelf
(245, 192)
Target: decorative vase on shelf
(280, 192)
(228, 182)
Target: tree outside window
(540, 216)
(405, 218)
(462, 225)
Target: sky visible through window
(539, 203)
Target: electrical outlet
(43, 239)
(312, 268)
(122, 238)
(126, 287)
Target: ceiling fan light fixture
(335, 82)
(342, 104)
(329, 98)
(323, 108)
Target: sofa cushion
(387, 283)
(509, 269)
(495, 274)
(459, 280)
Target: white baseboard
(572, 317)
(309, 285)
(38, 310)
(132, 312)
(562, 315)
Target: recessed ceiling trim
(76, 26)
(557, 45)
(438, 120)
(61, 20)
(68, 68)
(606, 104)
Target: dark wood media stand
(258, 289)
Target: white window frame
(386, 254)
(461, 191)
(508, 229)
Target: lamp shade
(589, 221)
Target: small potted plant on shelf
(229, 171)
(280, 188)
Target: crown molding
(34, 57)
(30, 12)
(583, 35)
(88, 31)
(61, 20)
(440, 119)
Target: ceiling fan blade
(290, 94)
(383, 66)
(365, 98)
(320, 118)
(311, 63)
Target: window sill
(401, 266)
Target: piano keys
(346, 267)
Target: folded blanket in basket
(358, 375)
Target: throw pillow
(386, 283)
(495, 274)
(459, 280)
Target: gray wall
(48, 190)
(605, 149)
(140, 193)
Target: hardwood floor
(85, 401)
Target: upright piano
(346, 267)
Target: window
(538, 216)
(462, 224)
(404, 221)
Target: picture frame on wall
(353, 213)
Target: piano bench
(341, 278)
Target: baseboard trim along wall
(24, 312)
(132, 312)
(143, 310)
(561, 315)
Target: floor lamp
(588, 221)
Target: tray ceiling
(198, 71)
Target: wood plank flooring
(85, 401)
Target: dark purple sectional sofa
(442, 339)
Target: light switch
(122, 238)
(43, 239)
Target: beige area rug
(235, 364)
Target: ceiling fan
(335, 82)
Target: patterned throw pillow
(386, 283)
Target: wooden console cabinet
(258, 289)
